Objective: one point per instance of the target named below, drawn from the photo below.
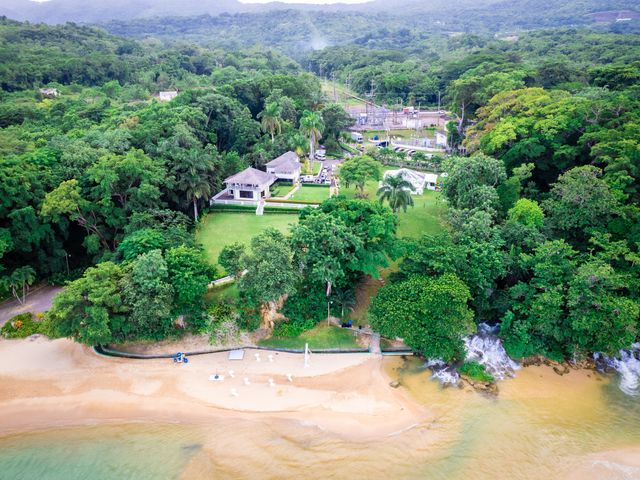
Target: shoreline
(59, 383)
(55, 389)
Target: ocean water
(132, 451)
(540, 426)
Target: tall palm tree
(271, 119)
(194, 178)
(312, 126)
(397, 192)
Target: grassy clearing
(280, 189)
(320, 337)
(222, 228)
(307, 193)
(426, 216)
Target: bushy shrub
(292, 328)
(308, 303)
(476, 371)
(25, 324)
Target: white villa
(250, 184)
(285, 167)
(419, 180)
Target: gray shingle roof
(287, 161)
(251, 176)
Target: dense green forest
(298, 32)
(102, 184)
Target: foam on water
(627, 365)
(442, 372)
(485, 348)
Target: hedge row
(300, 202)
(247, 208)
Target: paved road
(39, 300)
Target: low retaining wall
(111, 352)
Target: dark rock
(561, 369)
(487, 388)
(394, 384)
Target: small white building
(49, 92)
(285, 167)
(419, 180)
(167, 96)
(250, 184)
(357, 137)
(441, 139)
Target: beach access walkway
(374, 345)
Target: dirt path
(39, 300)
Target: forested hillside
(101, 171)
(104, 182)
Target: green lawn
(404, 133)
(314, 170)
(280, 189)
(218, 229)
(426, 216)
(319, 338)
(370, 189)
(308, 193)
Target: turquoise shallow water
(141, 452)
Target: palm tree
(312, 126)
(345, 298)
(194, 178)
(271, 119)
(21, 278)
(299, 144)
(397, 191)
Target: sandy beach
(340, 411)
(59, 383)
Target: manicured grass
(280, 189)
(307, 193)
(404, 133)
(319, 338)
(222, 228)
(426, 216)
